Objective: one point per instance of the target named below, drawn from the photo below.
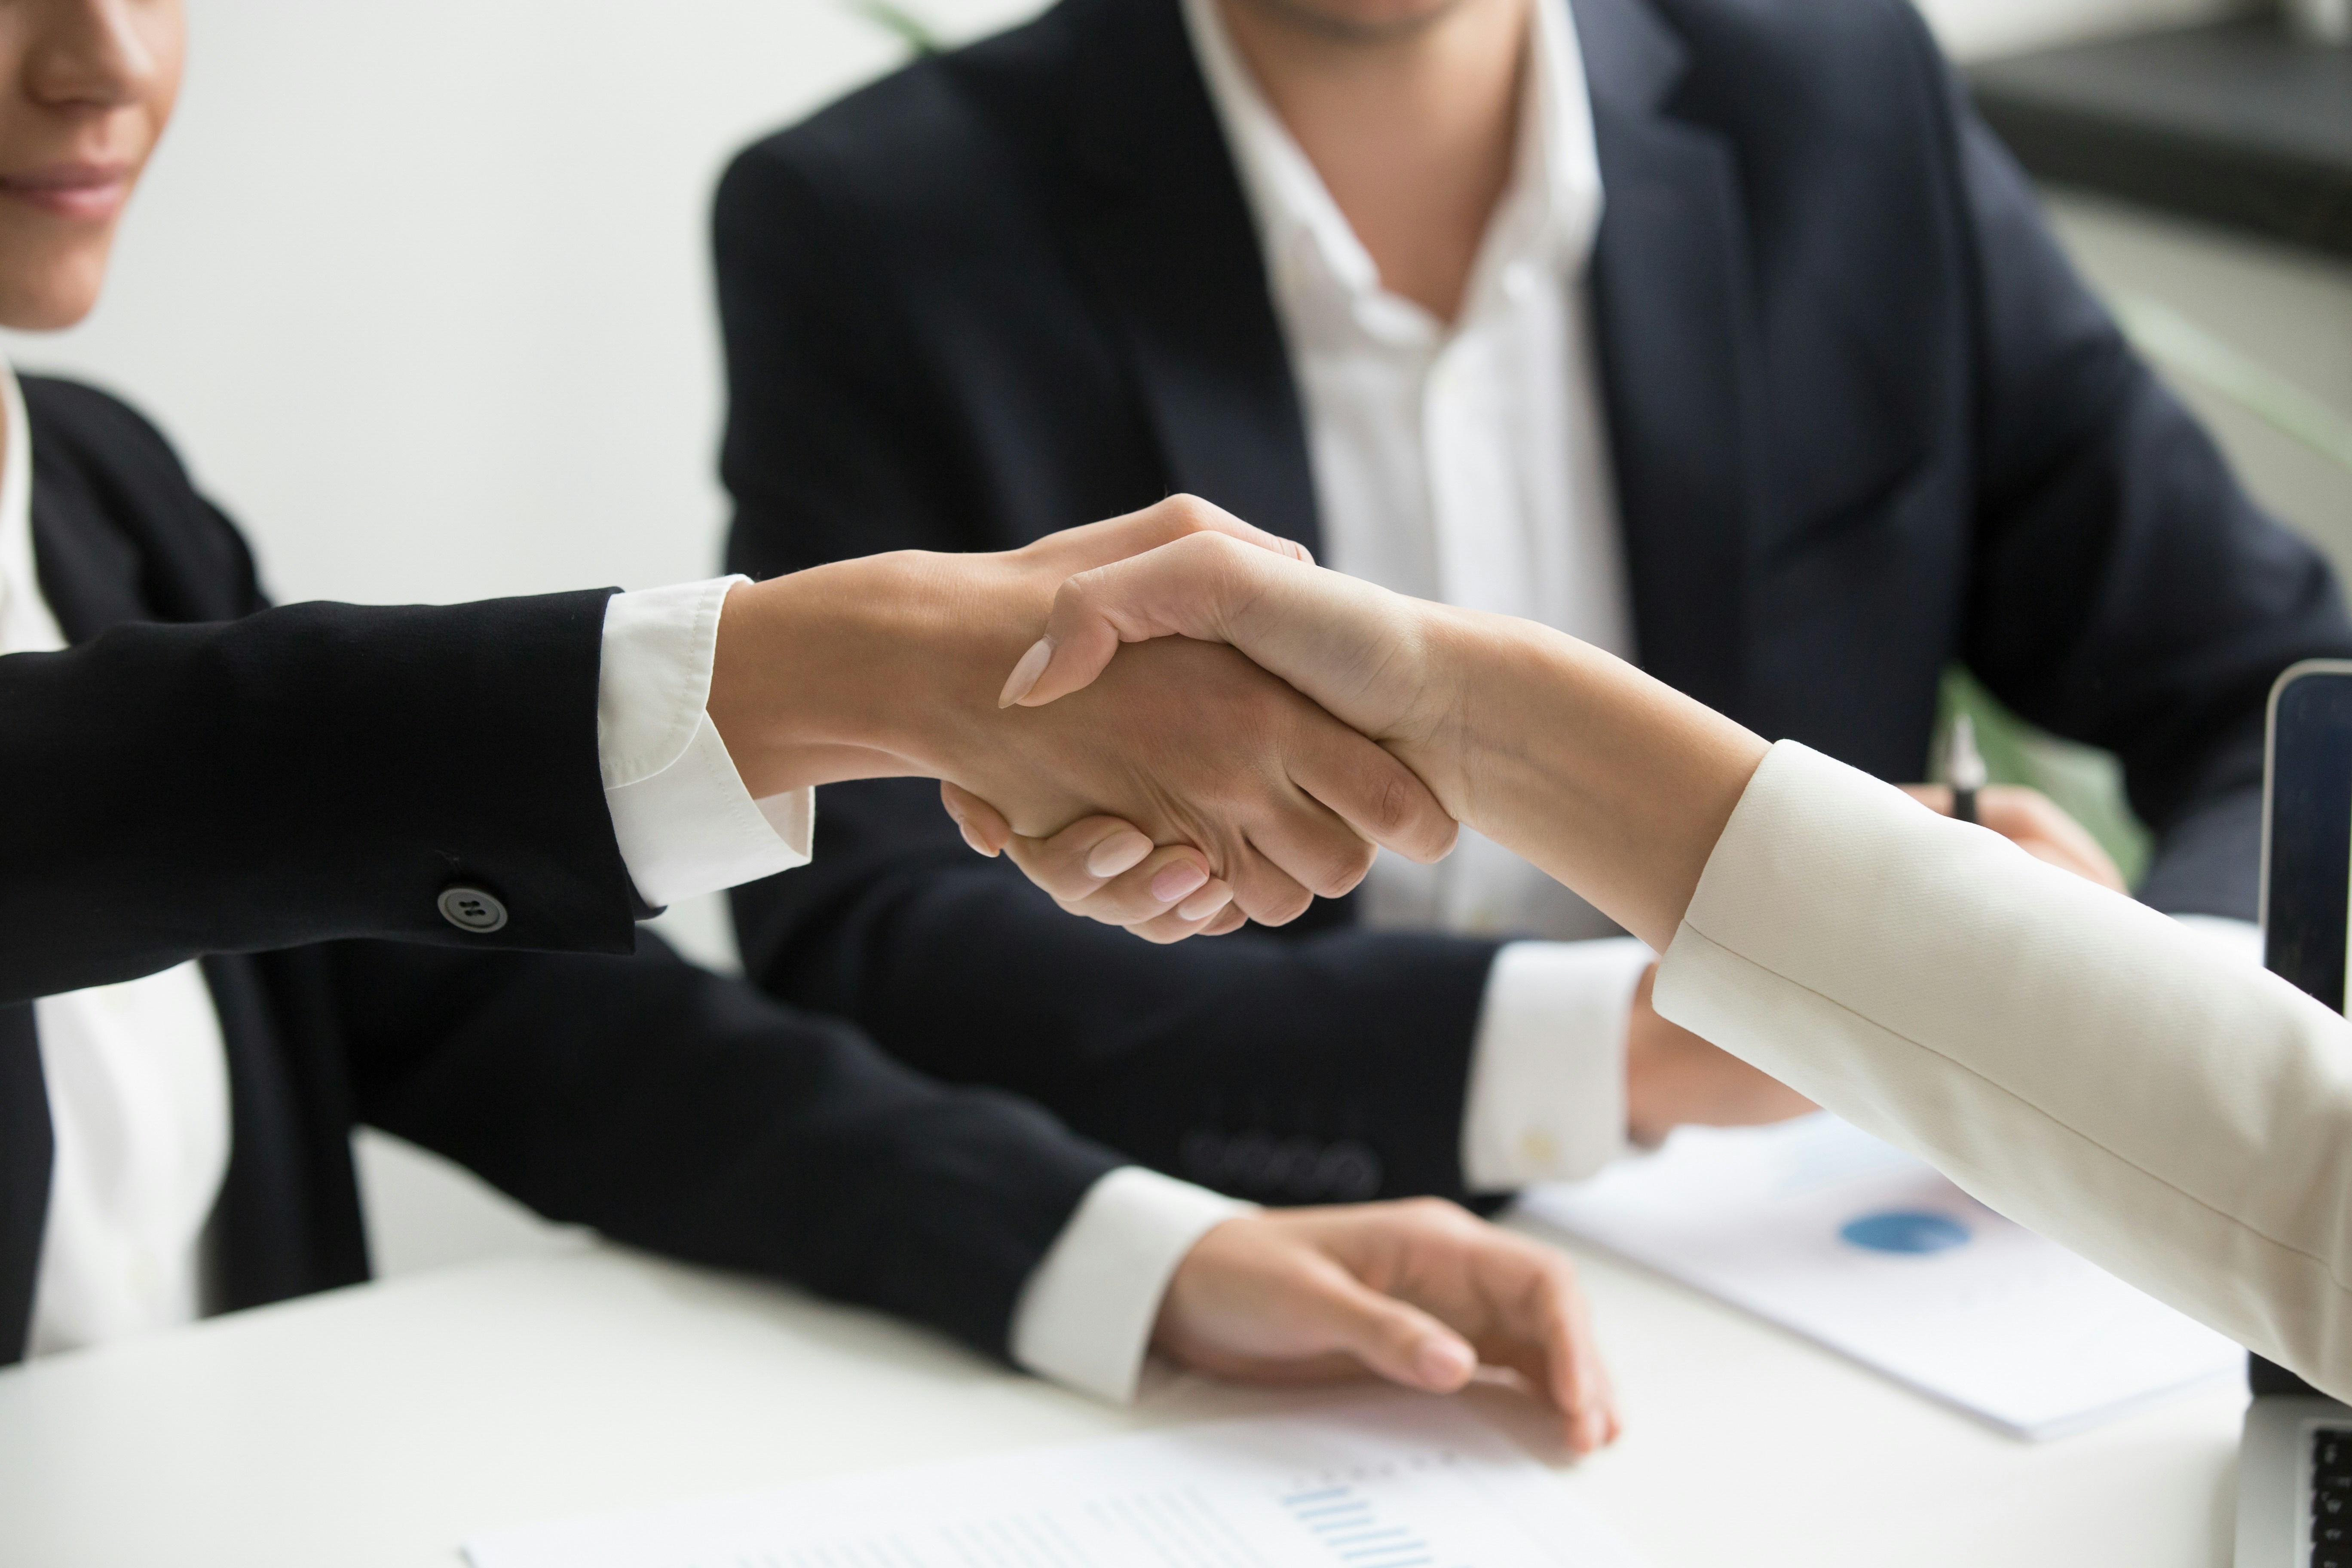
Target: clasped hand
(892, 665)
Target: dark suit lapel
(1679, 362)
(25, 1155)
(91, 574)
(1162, 235)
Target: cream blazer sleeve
(2075, 1059)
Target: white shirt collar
(1549, 215)
(26, 623)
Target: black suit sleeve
(295, 775)
(2127, 592)
(1322, 1062)
(686, 1113)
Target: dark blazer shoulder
(941, 127)
(1795, 38)
(1809, 91)
(120, 529)
(91, 420)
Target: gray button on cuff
(476, 910)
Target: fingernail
(1024, 678)
(1116, 853)
(1176, 880)
(1444, 1363)
(1595, 1429)
(1201, 906)
(973, 839)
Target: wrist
(1434, 730)
(1466, 727)
(883, 666)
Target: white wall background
(420, 291)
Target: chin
(48, 293)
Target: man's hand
(1673, 1076)
(1419, 1293)
(892, 665)
(2034, 822)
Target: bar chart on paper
(1412, 1483)
(1355, 1531)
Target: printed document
(1411, 1482)
(1818, 1226)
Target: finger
(1168, 881)
(1177, 517)
(1090, 870)
(1374, 793)
(1574, 1378)
(1212, 915)
(1265, 892)
(1076, 863)
(1393, 1339)
(1181, 516)
(1232, 920)
(983, 826)
(1530, 1315)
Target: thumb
(1396, 1340)
(1183, 589)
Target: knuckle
(1440, 1213)
(1347, 862)
(1187, 513)
(1282, 907)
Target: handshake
(1273, 725)
(1178, 790)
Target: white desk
(385, 1423)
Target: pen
(1964, 766)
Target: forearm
(1602, 776)
(681, 1112)
(2081, 1063)
(868, 668)
(307, 772)
(1286, 1070)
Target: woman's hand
(1603, 778)
(1361, 652)
(1419, 1293)
(1108, 870)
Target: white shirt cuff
(684, 823)
(1547, 1099)
(2240, 938)
(1085, 1316)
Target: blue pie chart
(1904, 1230)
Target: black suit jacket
(204, 775)
(1865, 422)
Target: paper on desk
(1392, 1483)
(1818, 1226)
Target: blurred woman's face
(86, 87)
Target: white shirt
(138, 1083)
(1470, 464)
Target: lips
(82, 192)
